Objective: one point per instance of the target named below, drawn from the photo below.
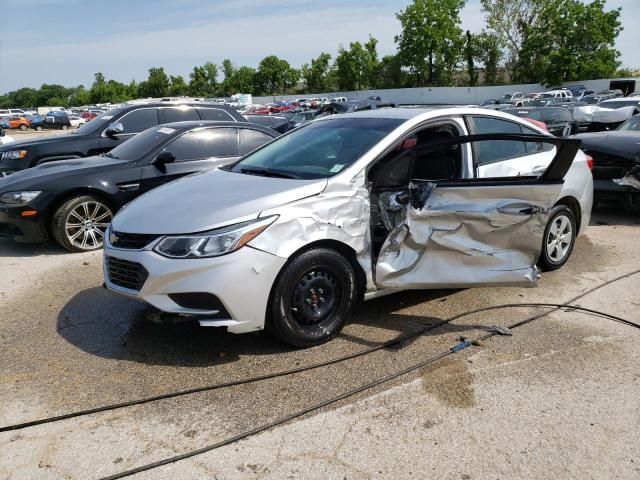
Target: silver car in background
(354, 206)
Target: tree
(470, 53)
(430, 43)
(489, 53)
(355, 68)
(570, 41)
(317, 75)
(178, 86)
(203, 81)
(227, 68)
(156, 85)
(390, 74)
(242, 81)
(509, 20)
(275, 75)
(98, 90)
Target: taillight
(589, 161)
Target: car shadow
(115, 327)
(9, 248)
(607, 214)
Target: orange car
(19, 122)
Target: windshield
(631, 125)
(319, 149)
(99, 122)
(137, 147)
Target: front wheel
(23, 127)
(313, 298)
(64, 127)
(39, 128)
(559, 238)
(80, 223)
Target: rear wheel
(313, 298)
(559, 238)
(39, 128)
(64, 127)
(23, 127)
(79, 224)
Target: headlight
(14, 154)
(18, 198)
(215, 242)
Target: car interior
(410, 161)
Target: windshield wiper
(265, 172)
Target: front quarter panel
(339, 213)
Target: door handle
(520, 210)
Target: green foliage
(431, 41)
(569, 41)
(318, 75)
(275, 75)
(203, 80)
(357, 67)
(156, 85)
(242, 80)
(390, 73)
(489, 53)
(178, 86)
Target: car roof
(420, 114)
(191, 124)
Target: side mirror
(114, 129)
(162, 159)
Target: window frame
(119, 120)
(473, 131)
(177, 107)
(200, 108)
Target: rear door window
(139, 120)
(178, 114)
(214, 114)
(497, 150)
(252, 139)
(207, 143)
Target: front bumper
(21, 229)
(241, 280)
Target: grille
(131, 241)
(126, 274)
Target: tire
(79, 223)
(64, 127)
(23, 127)
(312, 298)
(39, 128)
(559, 238)
(632, 202)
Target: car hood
(38, 176)
(208, 200)
(51, 140)
(621, 144)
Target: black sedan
(73, 201)
(616, 163)
(558, 120)
(106, 132)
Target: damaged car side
(349, 207)
(616, 163)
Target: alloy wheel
(559, 238)
(86, 224)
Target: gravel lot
(559, 399)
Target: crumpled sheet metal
(593, 113)
(631, 179)
(341, 212)
(462, 239)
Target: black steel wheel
(312, 298)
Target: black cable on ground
(456, 348)
(363, 352)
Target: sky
(67, 41)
